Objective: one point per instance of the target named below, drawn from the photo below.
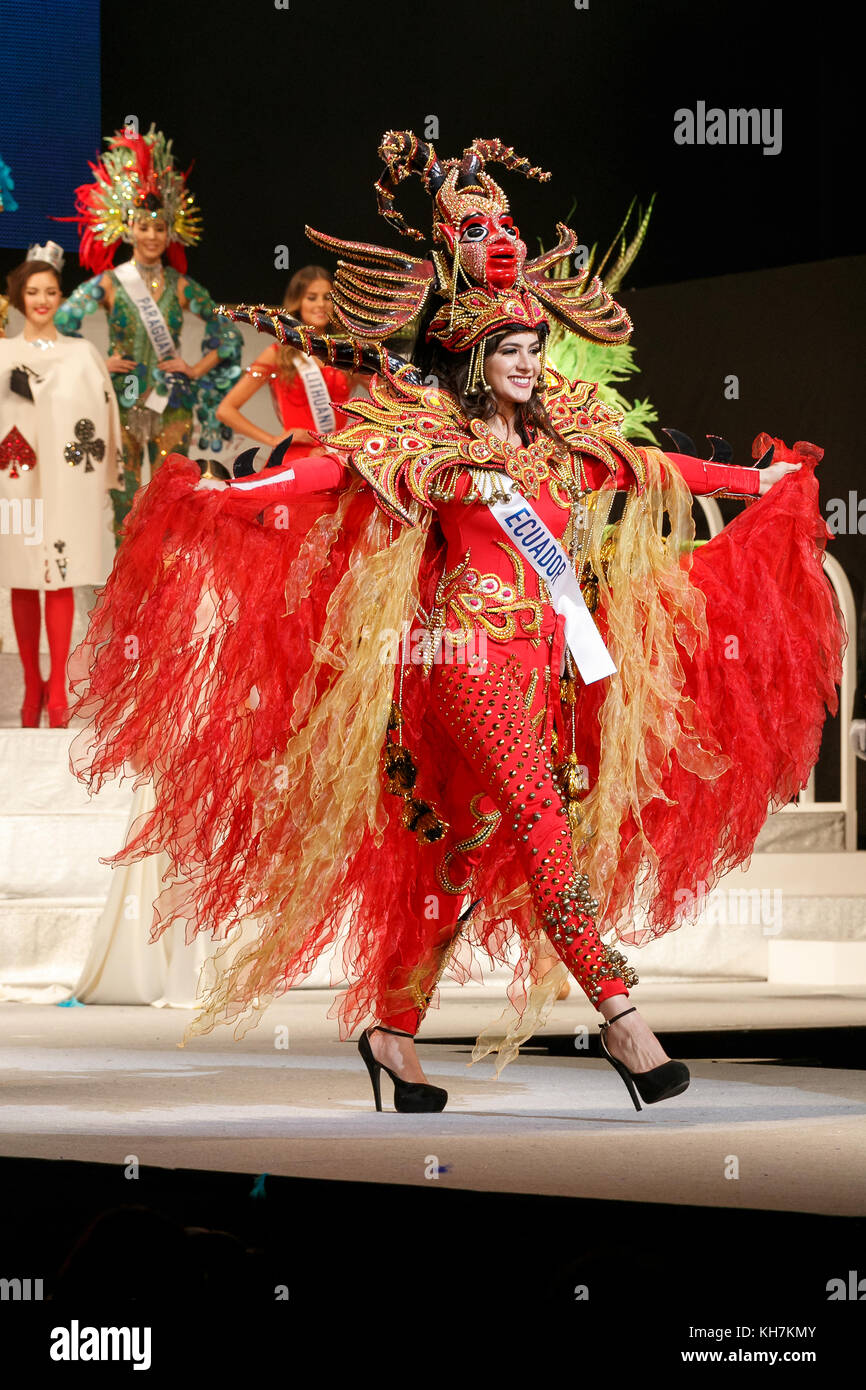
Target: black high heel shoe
(659, 1083)
(414, 1096)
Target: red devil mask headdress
(478, 265)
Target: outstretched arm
(724, 480)
(281, 485)
(322, 474)
(704, 479)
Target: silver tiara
(50, 252)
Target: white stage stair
(788, 918)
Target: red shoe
(58, 716)
(31, 710)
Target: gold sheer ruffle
(317, 801)
(652, 609)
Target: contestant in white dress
(59, 457)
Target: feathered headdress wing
(377, 291)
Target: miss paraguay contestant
(138, 196)
(565, 745)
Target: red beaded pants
(502, 785)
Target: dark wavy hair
(451, 369)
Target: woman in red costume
(565, 744)
(303, 399)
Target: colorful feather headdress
(136, 177)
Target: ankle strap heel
(659, 1083)
(608, 1021)
(409, 1096)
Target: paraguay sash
(155, 325)
(318, 399)
(528, 533)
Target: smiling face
(41, 298)
(149, 238)
(316, 307)
(514, 368)
(490, 247)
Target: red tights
(59, 611)
(502, 785)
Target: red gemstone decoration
(16, 453)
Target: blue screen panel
(49, 113)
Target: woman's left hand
(774, 473)
(176, 364)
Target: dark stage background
(751, 263)
(281, 111)
(752, 267)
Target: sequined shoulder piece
(591, 426)
(401, 439)
(408, 435)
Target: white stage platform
(781, 948)
(792, 918)
(100, 1084)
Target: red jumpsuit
(496, 719)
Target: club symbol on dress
(16, 453)
(62, 564)
(85, 446)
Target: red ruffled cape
(192, 673)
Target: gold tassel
(401, 770)
(571, 781)
(476, 380)
(455, 273)
(401, 774)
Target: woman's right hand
(120, 364)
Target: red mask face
(490, 249)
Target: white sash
(318, 399)
(155, 325)
(528, 533)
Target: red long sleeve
(717, 479)
(323, 473)
(701, 478)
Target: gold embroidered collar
(406, 437)
(528, 465)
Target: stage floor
(101, 1084)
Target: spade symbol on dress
(16, 453)
(85, 446)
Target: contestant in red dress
(303, 391)
(450, 711)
